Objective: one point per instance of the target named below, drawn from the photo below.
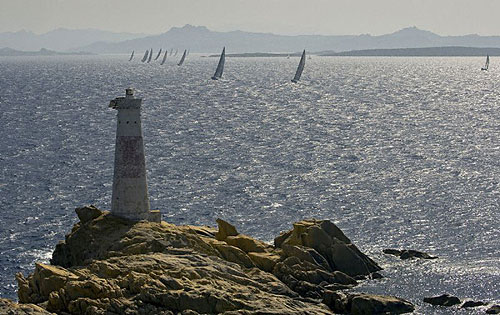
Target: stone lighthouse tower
(130, 198)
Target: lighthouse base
(154, 216)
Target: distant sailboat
(300, 68)
(131, 56)
(220, 66)
(146, 54)
(164, 57)
(487, 65)
(176, 51)
(158, 56)
(171, 52)
(150, 55)
(182, 58)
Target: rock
(225, 230)
(247, 244)
(495, 309)
(376, 275)
(472, 304)
(336, 301)
(379, 304)
(108, 265)
(443, 300)
(88, 213)
(264, 261)
(328, 240)
(11, 308)
(408, 253)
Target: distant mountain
(202, 40)
(60, 39)
(42, 52)
(417, 52)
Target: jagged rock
(495, 309)
(110, 265)
(472, 304)
(378, 304)
(408, 253)
(329, 241)
(225, 230)
(88, 213)
(337, 301)
(264, 261)
(9, 307)
(247, 244)
(443, 300)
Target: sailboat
(220, 66)
(171, 51)
(131, 56)
(158, 56)
(487, 65)
(150, 55)
(176, 51)
(300, 68)
(164, 57)
(146, 54)
(182, 58)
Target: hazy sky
(445, 17)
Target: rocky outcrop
(11, 308)
(355, 303)
(110, 265)
(495, 309)
(408, 253)
(326, 246)
(443, 300)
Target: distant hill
(60, 39)
(199, 39)
(42, 52)
(416, 52)
(202, 40)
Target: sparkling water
(398, 152)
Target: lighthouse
(130, 198)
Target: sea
(399, 152)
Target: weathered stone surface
(408, 253)
(225, 230)
(88, 213)
(247, 244)
(329, 241)
(108, 265)
(365, 304)
(495, 309)
(443, 300)
(264, 261)
(9, 307)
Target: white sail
(171, 51)
(176, 51)
(182, 58)
(300, 68)
(164, 57)
(220, 66)
(131, 56)
(146, 54)
(487, 64)
(150, 55)
(158, 56)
